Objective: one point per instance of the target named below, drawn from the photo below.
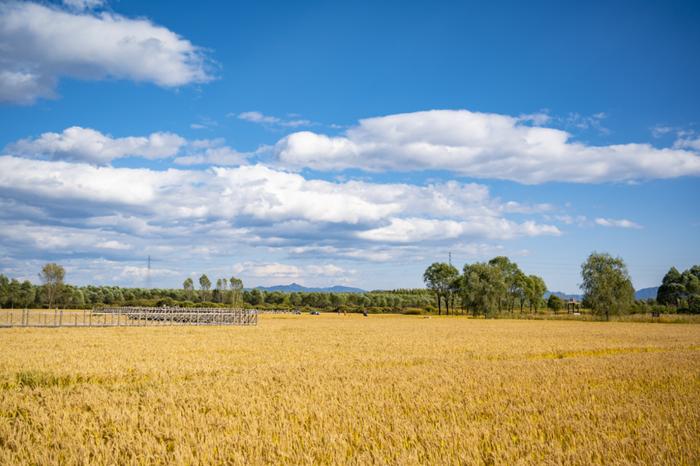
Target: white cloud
(74, 181)
(405, 230)
(273, 272)
(273, 203)
(62, 239)
(617, 223)
(212, 152)
(257, 117)
(661, 130)
(39, 44)
(83, 4)
(89, 145)
(113, 245)
(537, 119)
(367, 253)
(133, 273)
(688, 143)
(480, 145)
(25, 86)
(204, 122)
(585, 122)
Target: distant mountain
(297, 287)
(646, 293)
(562, 295)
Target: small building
(573, 306)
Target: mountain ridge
(642, 293)
(292, 287)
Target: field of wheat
(347, 389)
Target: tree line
(54, 292)
(484, 288)
(499, 286)
(681, 290)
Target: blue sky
(351, 143)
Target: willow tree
(236, 291)
(205, 286)
(188, 286)
(606, 284)
(52, 276)
(440, 278)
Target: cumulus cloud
(39, 44)
(77, 144)
(66, 240)
(480, 145)
(89, 145)
(616, 223)
(259, 197)
(405, 230)
(60, 210)
(212, 152)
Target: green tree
(534, 290)
(672, 289)
(4, 290)
(555, 303)
(510, 273)
(680, 289)
(606, 284)
(236, 291)
(52, 276)
(27, 294)
(256, 297)
(439, 278)
(482, 287)
(205, 286)
(337, 300)
(219, 290)
(274, 297)
(188, 286)
(14, 293)
(295, 299)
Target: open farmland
(348, 389)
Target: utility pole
(450, 257)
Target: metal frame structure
(128, 317)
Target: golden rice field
(353, 390)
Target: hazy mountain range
(644, 293)
(297, 287)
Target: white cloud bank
(89, 145)
(39, 44)
(77, 144)
(264, 202)
(480, 145)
